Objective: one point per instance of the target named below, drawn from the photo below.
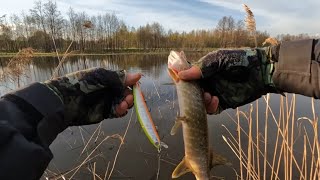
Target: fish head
(177, 62)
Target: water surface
(137, 158)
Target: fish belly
(195, 129)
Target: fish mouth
(173, 74)
(174, 61)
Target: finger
(121, 108)
(132, 79)
(191, 74)
(215, 103)
(127, 92)
(207, 98)
(129, 100)
(213, 106)
(124, 114)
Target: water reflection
(42, 68)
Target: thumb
(131, 79)
(190, 74)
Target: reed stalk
(284, 158)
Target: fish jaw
(177, 62)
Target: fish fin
(174, 75)
(162, 144)
(176, 125)
(181, 169)
(217, 159)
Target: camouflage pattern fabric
(89, 95)
(238, 76)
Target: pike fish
(199, 159)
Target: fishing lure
(145, 119)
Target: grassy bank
(118, 52)
(78, 54)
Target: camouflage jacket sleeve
(30, 119)
(239, 76)
(297, 67)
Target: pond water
(137, 158)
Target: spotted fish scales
(199, 159)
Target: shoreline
(53, 54)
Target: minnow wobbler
(193, 117)
(145, 119)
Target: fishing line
(159, 161)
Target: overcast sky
(274, 16)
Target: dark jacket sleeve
(30, 119)
(297, 69)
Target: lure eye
(157, 143)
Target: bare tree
(104, 33)
(6, 34)
(72, 22)
(222, 29)
(53, 20)
(39, 16)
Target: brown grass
(283, 159)
(280, 157)
(91, 158)
(271, 41)
(17, 65)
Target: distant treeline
(44, 28)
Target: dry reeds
(90, 158)
(250, 22)
(17, 65)
(280, 160)
(85, 25)
(277, 158)
(271, 41)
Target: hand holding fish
(194, 73)
(199, 157)
(233, 77)
(91, 95)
